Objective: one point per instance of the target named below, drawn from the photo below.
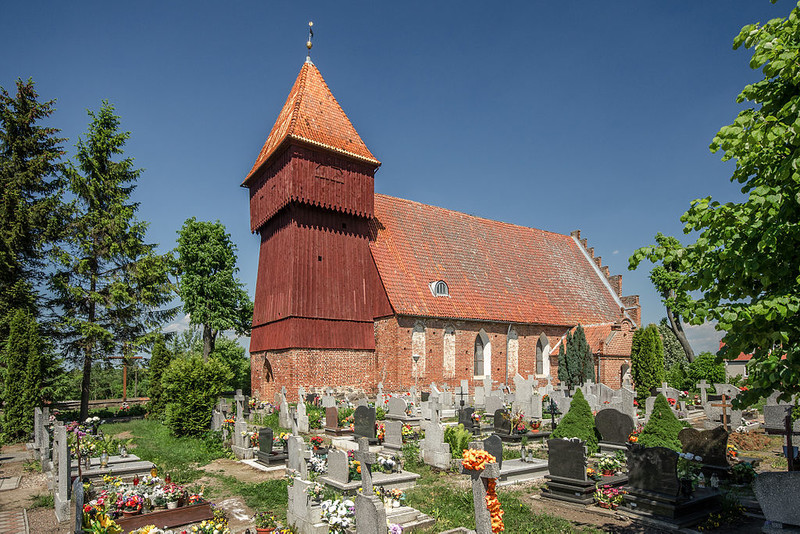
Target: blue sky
(556, 115)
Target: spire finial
(309, 44)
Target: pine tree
(662, 428)
(576, 365)
(110, 283)
(578, 422)
(160, 359)
(647, 361)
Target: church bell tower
(311, 202)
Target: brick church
(356, 288)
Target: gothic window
(418, 348)
(513, 352)
(478, 356)
(449, 351)
(541, 345)
(439, 289)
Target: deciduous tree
(743, 269)
(205, 262)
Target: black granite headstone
(494, 446)
(310, 397)
(566, 458)
(653, 469)
(710, 445)
(614, 426)
(425, 395)
(364, 422)
(502, 422)
(265, 437)
(465, 417)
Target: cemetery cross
(724, 405)
(125, 359)
(788, 431)
(367, 459)
(480, 479)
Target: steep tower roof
(312, 115)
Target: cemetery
(401, 367)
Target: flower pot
(130, 513)
(395, 503)
(263, 530)
(608, 472)
(172, 505)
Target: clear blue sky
(557, 115)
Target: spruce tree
(662, 428)
(576, 364)
(578, 422)
(160, 359)
(109, 280)
(647, 361)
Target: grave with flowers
(663, 485)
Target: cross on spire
(309, 43)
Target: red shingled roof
(312, 115)
(495, 271)
(607, 339)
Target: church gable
(494, 271)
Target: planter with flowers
(609, 465)
(265, 522)
(339, 515)
(608, 497)
(317, 444)
(132, 505)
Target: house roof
(608, 339)
(312, 115)
(495, 271)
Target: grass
(179, 457)
(43, 500)
(437, 496)
(32, 466)
(270, 495)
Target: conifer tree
(647, 360)
(578, 422)
(160, 359)
(662, 428)
(109, 280)
(17, 418)
(576, 364)
(29, 202)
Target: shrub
(578, 423)
(159, 361)
(647, 360)
(458, 437)
(706, 367)
(663, 427)
(191, 388)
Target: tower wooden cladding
(311, 202)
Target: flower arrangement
(265, 520)
(476, 459)
(476, 418)
(493, 504)
(338, 515)
(280, 440)
(394, 528)
(97, 521)
(387, 465)
(609, 464)
(518, 422)
(689, 467)
(254, 439)
(147, 529)
(536, 424)
(317, 464)
(317, 441)
(172, 492)
(211, 526)
(196, 498)
(407, 432)
(380, 430)
(124, 408)
(731, 451)
(634, 436)
(134, 503)
(591, 473)
(608, 496)
(315, 491)
(228, 424)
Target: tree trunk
(209, 340)
(677, 329)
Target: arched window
(478, 356)
(439, 289)
(513, 352)
(418, 348)
(482, 362)
(542, 347)
(449, 352)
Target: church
(356, 288)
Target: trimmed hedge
(578, 423)
(662, 428)
(191, 388)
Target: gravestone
(397, 408)
(338, 466)
(502, 422)
(493, 403)
(301, 394)
(494, 446)
(298, 455)
(480, 397)
(480, 478)
(266, 455)
(393, 435)
(364, 423)
(435, 451)
(283, 413)
(465, 418)
(567, 481)
(370, 513)
(614, 427)
(775, 417)
(711, 445)
(302, 418)
(653, 469)
(78, 498)
(331, 417)
(303, 513)
(328, 400)
(778, 495)
(362, 402)
(62, 470)
(239, 448)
